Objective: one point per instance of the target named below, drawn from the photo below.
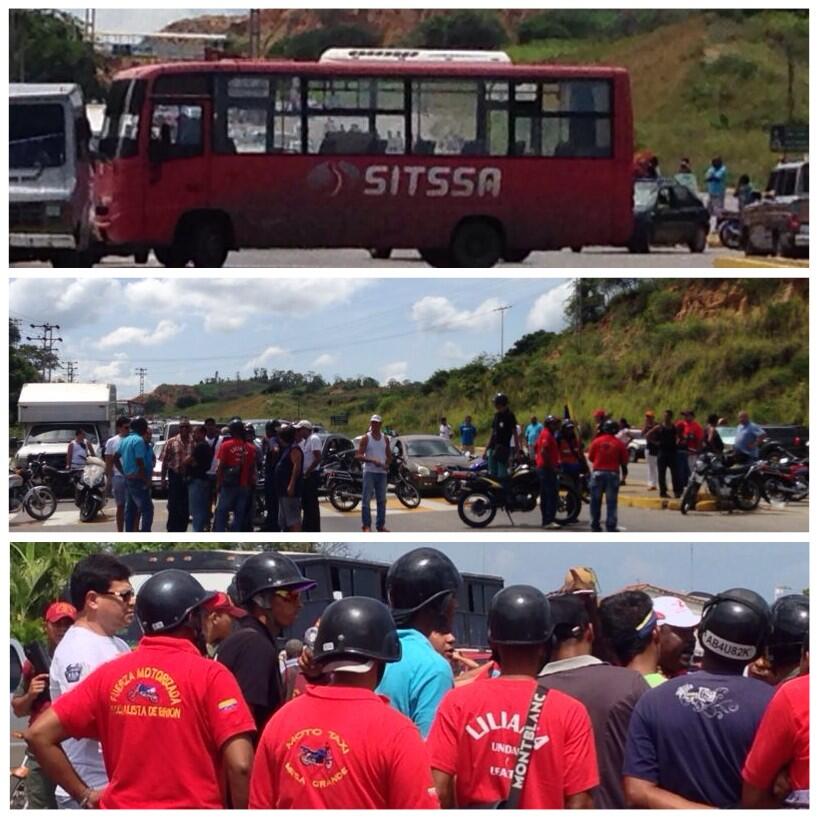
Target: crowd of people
(585, 702)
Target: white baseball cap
(303, 424)
(375, 419)
(670, 610)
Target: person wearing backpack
(235, 477)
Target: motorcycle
(728, 227)
(90, 492)
(483, 495)
(452, 478)
(785, 479)
(736, 486)
(26, 491)
(345, 485)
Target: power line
(502, 311)
(71, 370)
(48, 341)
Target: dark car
(792, 438)
(666, 213)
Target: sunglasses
(122, 596)
(288, 596)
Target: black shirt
(251, 655)
(202, 457)
(666, 439)
(503, 427)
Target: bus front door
(177, 180)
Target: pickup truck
(778, 224)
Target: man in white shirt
(311, 446)
(117, 482)
(101, 591)
(445, 430)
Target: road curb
(704, 503)
(733, 261)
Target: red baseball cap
(598, 413)
(222, 602)
(60, 610)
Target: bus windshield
(120, 128)
(36, 135)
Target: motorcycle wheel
(801, 495)
(748, 495)
(451, 490)
(476, 509)
(41, 503)
(569, 504)
(341, 498)
(88, 508)
(689, 498)
(408, 494)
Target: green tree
(47, 46)
(186, 401)
(460, 29)
(309, 45)
(23, 367)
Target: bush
(662, 306)
(154, 406)
(186, 401)
(310, 45)
(459, 29)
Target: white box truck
(51, 413)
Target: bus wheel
(477, 243)
(208, 245)
(74, 258)
(516, 256)
(576, 248)
(382, 253)
(436, 258)
(171, 256)
(140, 257)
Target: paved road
(592, 257)
(436, 515)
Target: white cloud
(164, 331)
(437, 314)
(452, 352)
(325, 360)
(227, 305)
(548, 311)
(64, 301)
(396, 371)
(269, 356)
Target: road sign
(339, 420)
(789, 138)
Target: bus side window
(445, 114)
(176, 131)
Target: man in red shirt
(781, 743)
(235, 477)
(607, 455)
(693, 438)
(32, 697)
(174, 729)
(476, 734)
(547, 462)
(340, 745)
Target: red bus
(470, 163)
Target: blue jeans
(138, 503)
(374, 484)
(607, 482)
(231, 498)
(548, 494)
(497, 468)
(198, 497)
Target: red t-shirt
(341, 748)
(693, 436)
(782, 739)
(230, 454)
(476, 734)
(162, 714)
(546, 451)
(607, 453)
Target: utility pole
(502, 311)
(141, 371)
(90, 27)
(254, 33)
(71, 370)
(48, 340)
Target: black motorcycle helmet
(501, 399)
(519, 615)
(550, 420)
(790, 624)
(419, 577)
(358, 628)
(735, 625)
(269, 571)
(610, 427)
(166, 599)
(236, 427)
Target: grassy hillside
(715, 346)
(701, 86)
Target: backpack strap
(526, 747)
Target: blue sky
(145, 21)
(678, 566)
(183, 329)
